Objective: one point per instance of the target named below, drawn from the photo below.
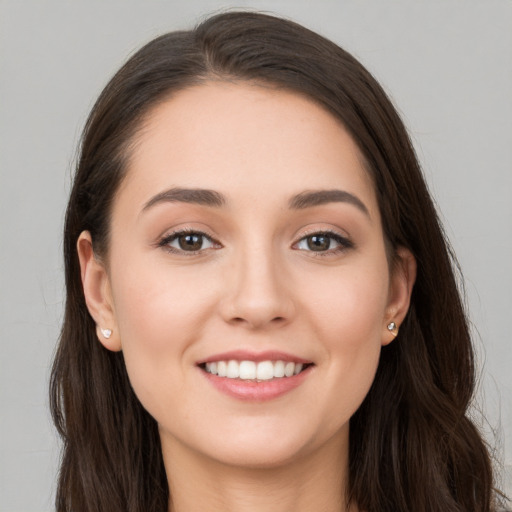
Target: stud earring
(392, 328)
(106, 333)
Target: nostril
(258, 322)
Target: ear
(402, 280)
(97, 292)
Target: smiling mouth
(254, 371)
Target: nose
(257, 292)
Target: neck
(312, 482)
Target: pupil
(190, 242)
(318, 243)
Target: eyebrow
(187, 195)
(215, 199)
(320, 197)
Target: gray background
(447, 65)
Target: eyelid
(344, 241)
(164, 241)
(317, 230)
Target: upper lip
(245, 355)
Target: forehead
(247, 139)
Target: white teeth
(222, 369)
(233, 370)
(265, 370)
(249, 370)
(289, 369)
(279, 369)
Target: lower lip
(257, 391)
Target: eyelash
(343, 242)
(164, 242)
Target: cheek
(349, 305)
(158, 308)
(160, 313)
(354, 337)
(349, 324)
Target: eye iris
(190, 242)
(319, 242)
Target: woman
(262, 312)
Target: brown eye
(190, 242)
(326, 242)
(187, 241)
(319, 242)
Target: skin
(257, 285)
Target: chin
(258, 455)
(265, 445)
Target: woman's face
(247, 238)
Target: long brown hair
(412, 445)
